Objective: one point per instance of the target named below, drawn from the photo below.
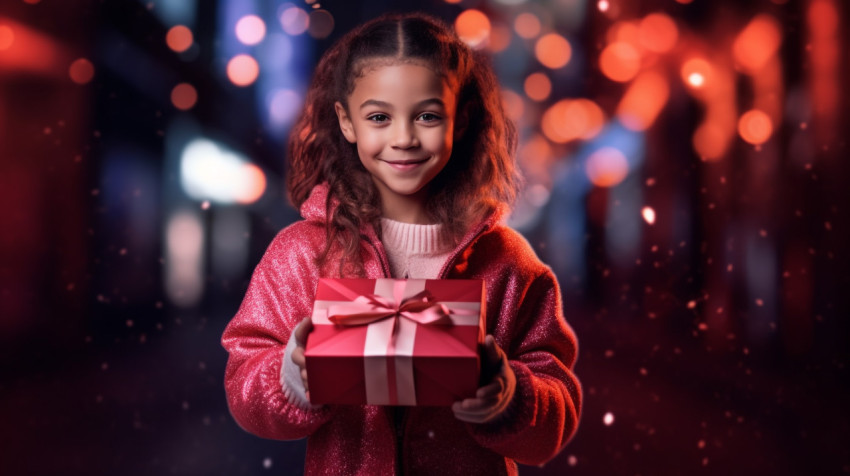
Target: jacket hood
(314, 208)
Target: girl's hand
(493, 398)
(301, 331)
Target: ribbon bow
(366, 309)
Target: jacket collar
(315, 209)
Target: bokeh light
(606, 167)
(755, 127)
(553, 51)
(643, 101)
(624, 31)
(535, 156)
(254, 185)
(500, 38)
(527, 25)
(619, 61)
(7, 37)
(284, 106)
(538, 86)
(571, 119)
(603, 5)
(321, 24)
(294, 21)
(513, 104)
(658, 33)
(81, 71)
(179, 38)
(242, 70)
(696, 72)
(250, 29)
(184, 96)
(710, 141)
(757, 43)
(473, 27)
(648, 214)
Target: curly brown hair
(481, 176)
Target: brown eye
(429, 117)
(378, 118)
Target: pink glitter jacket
(523, 313)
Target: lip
(405, 165)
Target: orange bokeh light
(755, 127)
(500, 38)
(643, 101)
(242, 70)
(710, 141)
(81, 71)
(179, 38)
(625, 31)
(696, 72)
(535, 156)
(473, 27)
(757, 43)
(513, 104)
(184, 96)
(257, 180)
(571, 119)
(7, 37)
(619, 61)
(250, 29)
(527, 25)
(606, 167)
(553, 51)
(294, 21)
(658, 33)
(538, 86)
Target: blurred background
(687, 174)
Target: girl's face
(401, 116)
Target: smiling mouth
(405, 165)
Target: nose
(404, 136)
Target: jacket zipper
(398, 415)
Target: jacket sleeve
(542, 350)
(279, 296)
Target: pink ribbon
(364, 310)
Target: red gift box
(395, 341)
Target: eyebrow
(386, 105)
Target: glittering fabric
(524, 314)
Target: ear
(345, 124)
(461, 121)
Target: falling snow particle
(205, 205)
(701, 444)
(603, 5)
(759, 303)
(267, 463)
(692, 304)
(572, 460)
(608, 419)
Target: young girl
(402, 166)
